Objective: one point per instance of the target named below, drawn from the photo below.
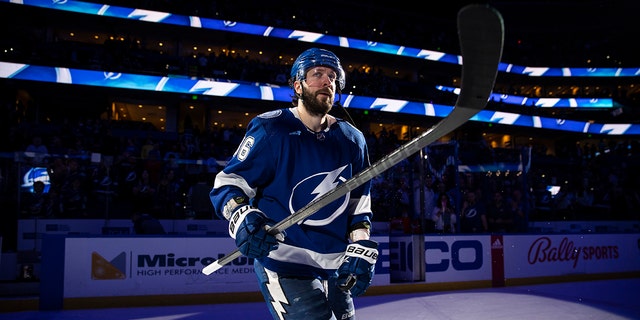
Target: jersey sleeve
(249, 167)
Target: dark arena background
(120, 108)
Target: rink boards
(77, 268)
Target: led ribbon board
(311, 37)
(246, 90)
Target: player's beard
(314, 105)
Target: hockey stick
(481, 36)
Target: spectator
(144, 223)
(563, 202)
(36, 151)
(424, 198)
(401, 200)
(37, 201)
(198, 198)
(520, 209)
(473, 217)
(444, 215)
(146, 148)
(144, 192)
(56, 148)
(499, 214)
(584, 195)
(73, 199)
(169, 200)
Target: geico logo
(471, 250)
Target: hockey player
(289, 157)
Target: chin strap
(344, 110)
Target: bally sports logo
(103, 269)
(543, 250)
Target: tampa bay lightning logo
(315, 186)
(35, 174)
(270, 114)
(112, 75)
(472, 213)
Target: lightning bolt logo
(504, 117)
(615, 128)
(148, 15)
(314, 187)
(328, 183)
(430, 55)
(535, 72)
(112, 75)
(305, 36)
(547, 102)
(389, 105)
(277, 295)
(229, 24)
(211, 88)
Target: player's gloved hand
(249, 227)
(357, 269)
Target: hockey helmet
(316, 57)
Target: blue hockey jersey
(282, 166)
